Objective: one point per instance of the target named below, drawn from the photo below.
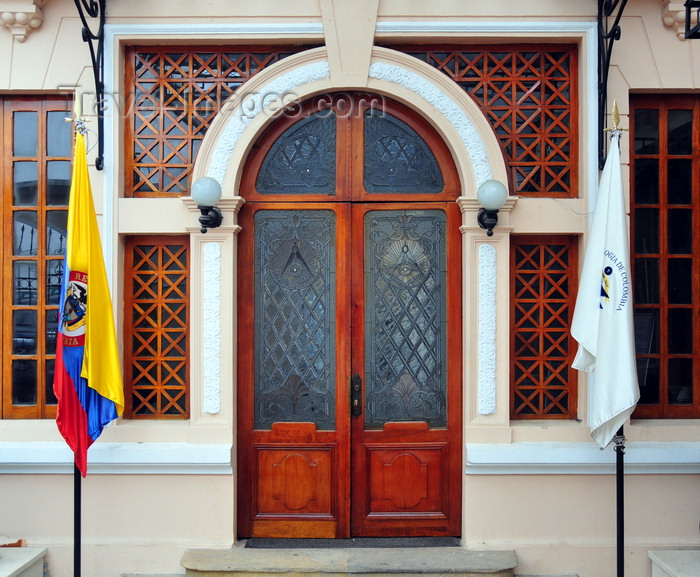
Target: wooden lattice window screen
(175, 94)
(156, 336)
(529, 94)
(543, 288)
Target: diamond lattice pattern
(156, 293)
(543, 385)
(176, 95)
(529, 95)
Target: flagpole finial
(615, 115)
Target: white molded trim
(473, 143)
(581, 458)
(118, 458)
(496, 27)
(211, 328)
(487, 329)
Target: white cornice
(118, 458)
(581, 459)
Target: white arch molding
(457, 118)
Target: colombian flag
(87, 377)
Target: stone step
(675, 563)
(374, 562)
(22, 561)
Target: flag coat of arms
(87, 375)
(603, 321)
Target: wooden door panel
(294, 480)
(293, 473)
(389, 467)
(408, 470)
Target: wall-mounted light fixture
(692, 19)
(491, 195)
(206, 192)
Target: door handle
(356, 395)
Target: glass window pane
(646, 331)
(26, 184)
(56, 223)
(24, 385)
(26, 130)
(54, 277)
(51, 316)
(646, 230)
(58, 175)
(646, 181)
(648, 375)
(24, 332)
(397, 159)
(680, 331)
(58, 137)
(25, 233)
(646, 281)
(25, 282)
(680, 231)
(680, 181)
(295, 310)
(680, 281)
(302, 160)
(646, 131)
(405, 317)
(50, 397)
(680, 381)
(680, 131)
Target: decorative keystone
(22, 16)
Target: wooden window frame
(543, 393)
(43, 408)
(664, 409)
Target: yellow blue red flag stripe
(87, 376)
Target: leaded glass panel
(405, 317)
(302, 160)
(295, 314)
(397, 159)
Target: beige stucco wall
(143, 509)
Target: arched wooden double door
(349, 346)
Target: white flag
(603, 321)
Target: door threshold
(354, 542)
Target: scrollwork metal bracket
(95, 9)
(607, 36)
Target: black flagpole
(619, 441)
(76, 520)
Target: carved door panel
(349, 351)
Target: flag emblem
(75, 310)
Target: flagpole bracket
(619, 441)
(608, 34)
(95, 9)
